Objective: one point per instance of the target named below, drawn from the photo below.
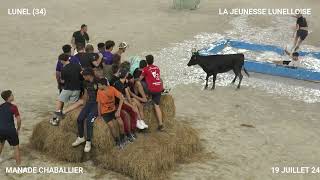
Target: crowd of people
(101, 84)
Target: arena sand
(286, 130)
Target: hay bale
(69, 123)
(59, 146)
(102, 139)
(168, 110)
(40, 133)
(56, 142)
(151, 155)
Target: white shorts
(69, 96)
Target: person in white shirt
(294, 62)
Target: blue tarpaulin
(266, 67)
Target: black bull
(215, 64)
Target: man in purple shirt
(108, 61)
(109, 56)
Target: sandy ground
(285, 132)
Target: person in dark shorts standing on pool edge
(151, 73)
(80, 37)
(301, 32)
(8, 132)
(90, 110)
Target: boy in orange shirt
(106, 98)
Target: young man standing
(80, 37)
(71, 77)
(151, 73)
(89, 112)
(108, 61)
(117, 56)
(67, 50)
(106, 98)
(8, 132)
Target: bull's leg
(214, 81)
(207, 78)
(240, 79)
(235, 77)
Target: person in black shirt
(8, 131)
(89, 111)
(122, 86)
(301, 32)
(71, 77)
(80, 37)
(114, 77)
(87, 58)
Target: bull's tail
(246, 71)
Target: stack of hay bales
(151, 155)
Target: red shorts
(128, 115)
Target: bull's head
(193, 59)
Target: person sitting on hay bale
(122, 86)
(115, 75)
(89, 112)
(71, 77)
(129, 123)
(151, 74)
(138, 87)
(106, 98)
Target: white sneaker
(87, 147)
(144, 124)
(140, 125)
(78, 141)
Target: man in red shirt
(8, 131)
(151, 74)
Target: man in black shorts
(80, 37)
(151, 74)
(8, 132)
(301, 32)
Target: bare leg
(297, 45)
(294, 42)
(73, 106)
(121, 128)
(214, 81)
(140, 90)
(278, 62)
(135, 109)
(111, 127)
(140, 108)
(158, 114)
(59, 106)
(17, 154)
